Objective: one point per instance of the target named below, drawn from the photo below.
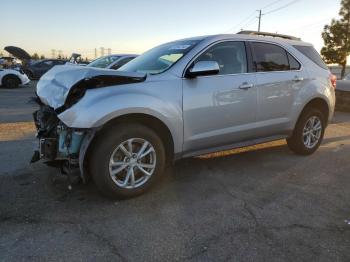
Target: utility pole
(260, 15)
(53, 53)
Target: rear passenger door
(279, 78)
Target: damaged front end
(57, 91)
(58, 145)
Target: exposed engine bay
(58, 145)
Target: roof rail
(269, 34)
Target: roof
(258, 33)
(251, 35)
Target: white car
(11, 78)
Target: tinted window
(312, 54)
(293, 63)
(48, 63)
(122, 62)
(103, 62)
(270, 57)
(59, 62)
(231, 57)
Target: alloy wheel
(132, 163)
(312, 132)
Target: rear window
(312, 54)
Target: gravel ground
(262, 203)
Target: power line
(274, 10)
(251, 21)
(271, 4)
(248, 18)
(282, 7)
(315, 24)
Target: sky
(134, 26)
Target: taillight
(333, 79)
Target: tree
(336, 37)
(35, 56)
(42, 57)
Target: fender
(102, 105)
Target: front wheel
(126, 160)
(308, 133)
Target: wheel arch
(149, 121)
(316, 102)
(10, 76)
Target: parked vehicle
(76, 59)
(9, 62)
(183, 99)
(344, 84)
(18, 53)
(112, 61)
(36, 69)
(11, 78)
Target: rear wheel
(11, 82)
(127, 160)
(308, 133)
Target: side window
(293, 63)
(122, 62)
(231, 57)
(59, 62)
(269, 57)
(48, 63)
(312, 54)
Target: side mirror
(203, 68)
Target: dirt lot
(259, 204)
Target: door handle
(298, 79)
(245, 86)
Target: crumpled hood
(54, 86)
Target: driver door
(220, 109)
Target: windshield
(103, 62)
(160, 58)
(347, 77)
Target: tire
(107, 149)
(30, 75)
(298, 142)
(11, 82)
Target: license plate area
(48, 148)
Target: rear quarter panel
(317, 85)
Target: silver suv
(182, 99)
